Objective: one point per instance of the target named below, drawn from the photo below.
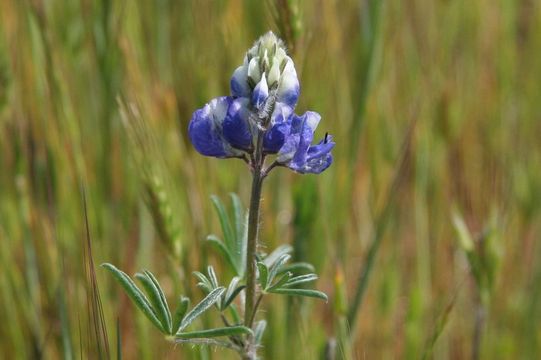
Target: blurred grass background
(435, 107)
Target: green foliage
(234, 233)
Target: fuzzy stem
(253, 230)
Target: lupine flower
(265, 90)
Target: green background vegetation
(436, 110)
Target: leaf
(154, 296)
(234, 314)
(284, 279)
(212, 277)
(276, 266)
(301, 279)
(212, 333)
(297, 267)
(241, 235)
(207, 302)
(263, 274)
(301, 292)
(135, 294)
(259, 330)
(232, 291)
(182, 307)
(214, 241)
(276, 254)
(163, 299)
(229, 236)
(204, 282)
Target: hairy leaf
(301, 292)
(182, 307)
(211, 333)
(135, 294)
(200, 308)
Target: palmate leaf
(301, 292)
(135, 294)
(200, 308)
(157, 299)
(212, 333)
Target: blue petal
(261, 93)
(289, 88)
(205, 129)
(239, 82)
(275, 137)
(237, 128)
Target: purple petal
(261, 93)
(205, 129)
(289, 88)
(237, 129)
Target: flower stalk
(251, 248)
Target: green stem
(253, 230)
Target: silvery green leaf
(300, 280)
(182, 307)
(297, 267)
(301, 292)
(284, 279)
(212, 333)
(263, 274)
(163, 299)
(207, 302)
(227, 230)
(276, 266)
(234, 314)
(135, 294)
(204, 283)
(276, 254)
(232, 291)
(212, 277)
(154, 294)
(241, 235)
(259, 330)
(223, 250)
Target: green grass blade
(135, 294)
(200, 308)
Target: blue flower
(298, 154)
(206, 129)
(265, 90)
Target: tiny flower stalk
(257, 124)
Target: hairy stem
(253, 230)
